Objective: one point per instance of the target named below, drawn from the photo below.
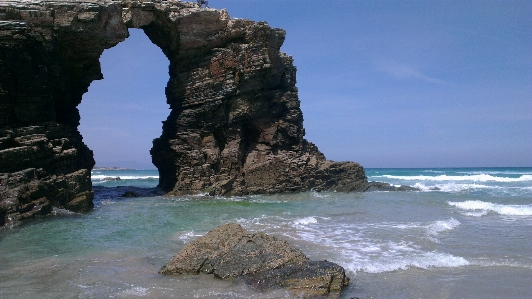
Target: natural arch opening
(235, 125)
(122, 114)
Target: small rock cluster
(230, 251)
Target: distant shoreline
(110, 168)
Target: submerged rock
(263, 261)
(130, 193)
(380, 186)
(112, 178)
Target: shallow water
(469, 241)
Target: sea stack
(235, 125)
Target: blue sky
(382, 83)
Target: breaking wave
(365, 246)
(471, 178)
(418, 260)
(480, 208)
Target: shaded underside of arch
(235, 125)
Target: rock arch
(235, 125)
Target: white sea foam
(480, 208)
(503, 172)
(305, 221)
(453, 187)
(64, 212)
(202, 194)
(432, 228)
(134, 291)
(320, 194)
(364, 246)
(476, 213)
(456, 187)
(442, 225)
(422, 260)
(188, 236)
(472, 178)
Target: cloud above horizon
(405, 72)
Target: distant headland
(111, 168)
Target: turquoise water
(467, 234)
(128, 177)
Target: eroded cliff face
(235, 125)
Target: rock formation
(380, 186)
(229, 251)
(235, 125)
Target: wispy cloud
(406, 72)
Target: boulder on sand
(230, 251)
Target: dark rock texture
(235, 125)
(230, 251)
(42, 166)
(380, 186)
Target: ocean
(466, 234)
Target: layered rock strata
(230, 251)
(235, 125)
